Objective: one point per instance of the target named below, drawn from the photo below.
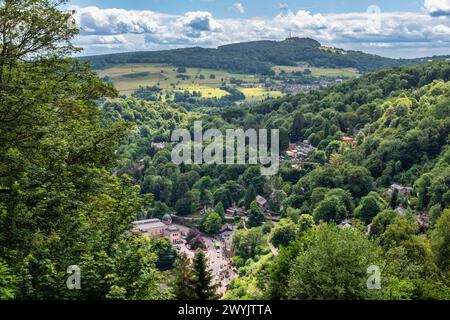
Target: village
(218, 248)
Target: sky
(393, 28)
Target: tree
(165, 251)
(276, 200)
(403, 233)
(358, 181)
(382, 221)
(182, 285)
(369, 207)
(283, 233)
(247, 243)
(330, 209)
(255, 215)
(394, 200)
(59, 204)
(305, 222)
(7, 282)
(184, 206)
(441, 241)
(329, 270)
(201, 278)
(220, 211)
(250, 196)
(223, 195)
(212, 223)
(195, 240)
(298, 123)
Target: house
(173, 233)
(292, 154)
(423, 221)
(157, 228)
(300, 150)
(150, 227)
(262, 203)
(238, 211)
(402, 190)
(349, 140)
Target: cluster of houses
(300, 151)
(159, 229)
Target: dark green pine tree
(182, 286)
(250, 196)
(297, 127)
(394, 199)
(202, 278)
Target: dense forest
(257, 57)
(400, 120)
(78, 165)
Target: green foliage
(283, 233)
(202, 278)
(212, 223)
(182, 285)
(330, 209)
(256, 57)
(369, 207)
(255, 216)
(441, 241)
(328, 269)
(7, 282)
(60, 205)
(382, 221)
(248, 243)
(165, 252)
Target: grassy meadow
(127, 78)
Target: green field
(127, 78)
(255, 94)
(318, 72)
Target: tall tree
(250, 196)
(59, 204)
(182, 285)
(202, 278)
(255, 215)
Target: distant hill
(257, 57)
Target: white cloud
(93, 20)
(437, 7)
(128, 30)
(301, 20)
(239, 7)
(199, 21)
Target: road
(220, 266)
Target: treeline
(256, 57)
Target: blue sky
(223, 8)
(396, 28)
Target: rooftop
(260, 200)
(148, 224)
(172, 229)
